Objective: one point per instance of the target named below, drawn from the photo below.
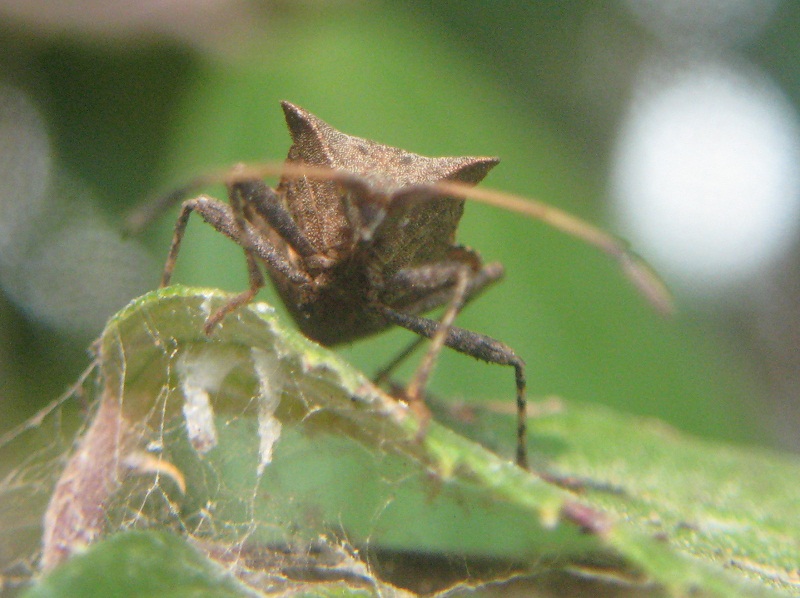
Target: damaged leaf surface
(285, 466)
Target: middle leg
(434, 297)
(480, 347)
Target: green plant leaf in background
(266, 451)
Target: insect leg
(485, 277)
(220, 216)
(223, 218)
(418, 382)
(256, 279)
(266, 203)
(478, 346)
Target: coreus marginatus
(359, 236)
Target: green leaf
(133, 564)
(277, 459)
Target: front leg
(266, 203)
(222, 218)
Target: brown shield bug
(359, 236)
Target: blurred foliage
(133, 117)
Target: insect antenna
(636, 269)
(154, 207)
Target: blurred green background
(106, 104)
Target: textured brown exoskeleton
(360, 236)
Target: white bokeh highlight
(706, 174)
(61, 262)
